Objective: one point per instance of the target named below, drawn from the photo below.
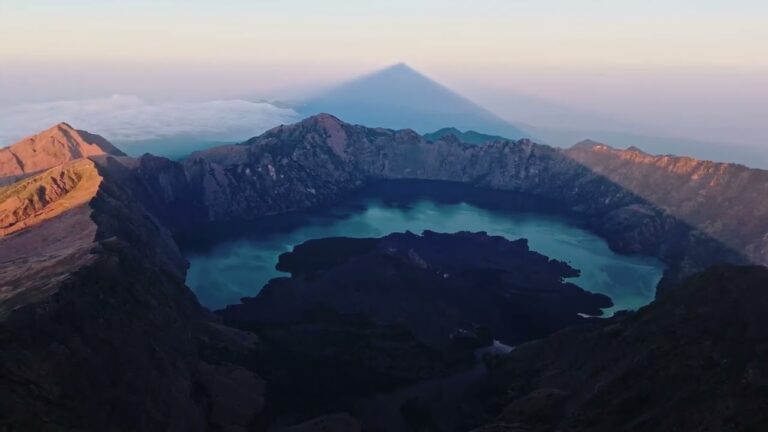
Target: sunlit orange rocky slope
(95, 317)
(50, 148)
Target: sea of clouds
(123, 119)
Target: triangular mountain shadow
(399, 97)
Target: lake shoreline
(219, 251)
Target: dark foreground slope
(97, 329)
(696, 359)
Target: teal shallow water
(232, 267)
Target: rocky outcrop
(292, 168)
(695, 359)
(50, 148)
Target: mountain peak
(323, 119)
(589, 144)
(399, 65)
(54, 146)
(63, 126)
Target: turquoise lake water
(228, 267)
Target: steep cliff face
(324, 148)
(693, 360)
(50, 148)
(290, 168)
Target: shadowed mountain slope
(695, 359)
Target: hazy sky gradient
(692, 68)
(440, 32)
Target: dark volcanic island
(442, 287)
(361, 315)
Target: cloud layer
(125, 119)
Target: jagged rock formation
(696, 359)
(50, 148)
(288, 169)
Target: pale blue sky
(693, 68)
(542, 32)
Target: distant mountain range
(399, 97)
(714, 151)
